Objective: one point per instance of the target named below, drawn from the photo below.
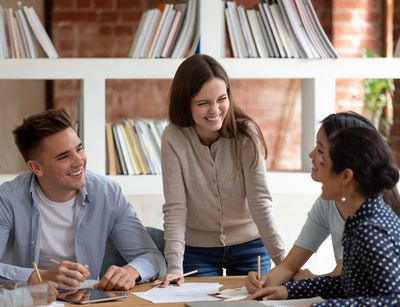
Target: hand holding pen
(66, 274)
(255, 281)
(172, 278)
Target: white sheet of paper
(54, 304)
(233, 293)
(295, 302)
(188, 292)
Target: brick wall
(105, 28)
(395, 137)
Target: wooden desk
(133, 300)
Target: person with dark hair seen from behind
(217, 211)
(60, 212)
(356, 165)
(323, 219)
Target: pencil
(55, 261)
(159, 282)
(258, 266)
(37, 271)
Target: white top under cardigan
(205, 206)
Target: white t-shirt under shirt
(323, 220)
(57, 230)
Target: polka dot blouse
(371, 262)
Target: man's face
(59, 164)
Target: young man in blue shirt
(60, 211)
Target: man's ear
(35, 167)
(348, 176)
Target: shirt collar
(367, 210)
(82, 195)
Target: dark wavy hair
(33, 129)
(365, 152)
(189, 78)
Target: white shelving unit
(317, 77)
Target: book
(132, 148)
(310, 30)
(150, 148)
(175, 29)
(187, 33)
(12, 34)
(320, 31)
(39, 31)
(139, 36)
(129, 161)
(139, 149)
(248, 36)
(299, 30)
(273, 50)
(258, 36)
(160, 28)
(3, 37)
(120, 154)
(111, 156)
(275, 34)
(164, 33)
(153, 17)
(31, 44)
(237, 30)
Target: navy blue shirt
(371, 262)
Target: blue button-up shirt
(102, 212)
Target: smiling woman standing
(217, 203)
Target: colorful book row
(277, 29)
(134, 147)
(169, 31)
(19, 32)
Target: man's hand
(118, 278)
(66, 274)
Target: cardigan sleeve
(260, 201)
(174, 208)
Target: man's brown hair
(33, 129)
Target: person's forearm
(278, 276)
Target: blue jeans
(236, 259)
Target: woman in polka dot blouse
(356, 166)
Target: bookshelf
(318, 86)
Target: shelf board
(254, 68)
(278, 183)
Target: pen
(159, 282)
(37, 271)
(55, 261)
(259, 267)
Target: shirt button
(33, 242)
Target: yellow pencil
(37, 271)
(259, 266)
